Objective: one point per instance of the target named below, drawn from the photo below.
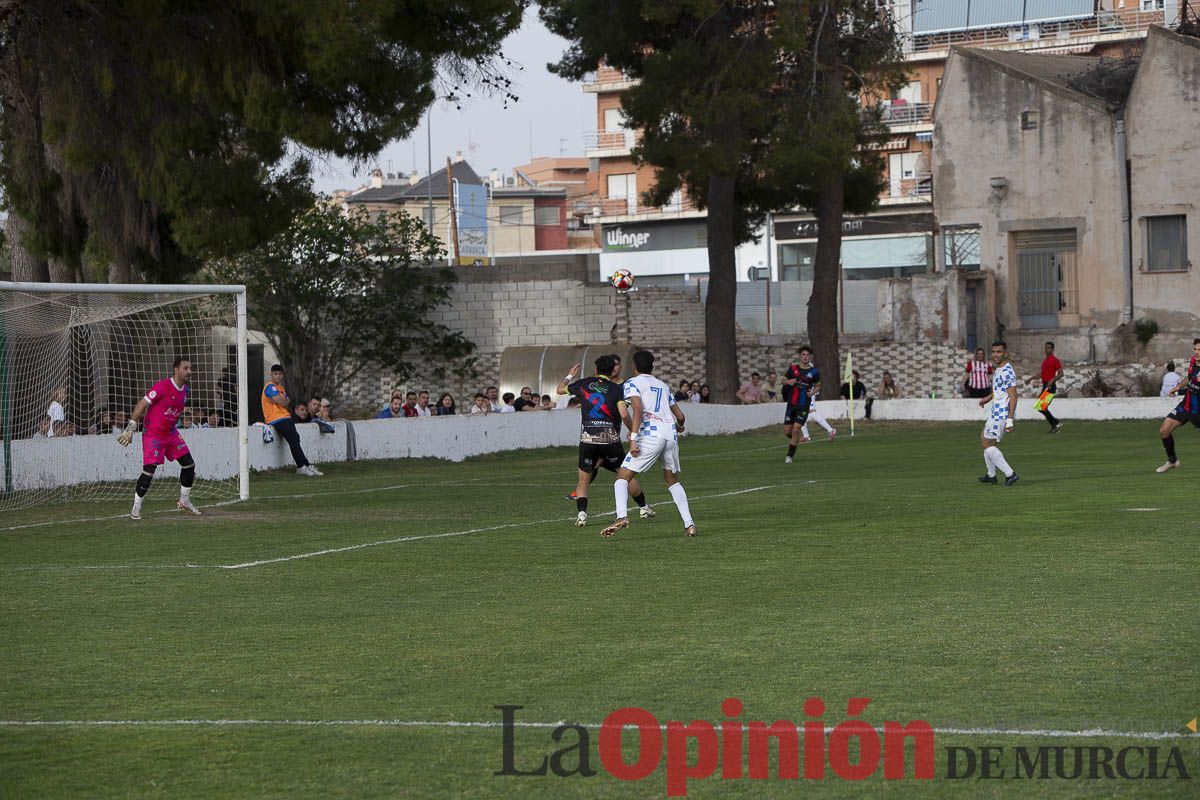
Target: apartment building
(902, 237)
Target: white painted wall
(42, 463)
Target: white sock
(621, 487)
(137, 501)
(987, 463)
(804, 431)
(184, 493)
(817, 418)
(680, 498)
(999, 460)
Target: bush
(1148, 384)
(1096, 387)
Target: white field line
(347, 548)
(1048, 733)
(401, 539)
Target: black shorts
(594, 456)
(1183, 417)
(978, 394)
(796, 415)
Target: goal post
(76, 358)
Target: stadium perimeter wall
(87, 459)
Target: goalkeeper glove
(126, 437)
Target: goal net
(75, 360)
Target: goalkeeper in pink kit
(161, 441)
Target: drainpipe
(1126, 243)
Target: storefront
(874, 247)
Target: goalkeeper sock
(581, 504)
(185, 493)
(640, 499)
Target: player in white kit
(659, 421)
(1004, 408)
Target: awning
(1075, 49)
(895, 143)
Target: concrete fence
(44, 463)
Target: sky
(551, 112)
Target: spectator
(325, 413)
(43, 429)
(573, 402)
(681, 396)
(978, 380)
(888, 388)
(769, 390)
(493, 398)
(423, 409)
(481, 406)
(507, 406)
(750, 393)
(860, 393)
(314, 407)
(300, 413)
(525, 402)
(214, 419)
(1170, 380)
(410, 405)
(694, 392)
(394, 409)
(547, 403)
(119, 419)
(704, 393)
(56, 413)
(275, 413)
(105, 425)
(445, 405)
(185, 419)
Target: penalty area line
(469, 531)
(1048, 733)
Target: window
(547, 216)
(1152, 5)
(511, 215)
(961, 247)
(427, 217)
(1029, 120)
(796, 261)
(622, 185)
(1166, 243)
(614, 120)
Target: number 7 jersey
(657, 420)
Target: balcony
(917, 188)
(600, 144)
(629, 209)
(901, 116)
(607, 79)
(1071, 35)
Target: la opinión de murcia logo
(852, 750)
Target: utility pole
(453, 210)
(429, 161)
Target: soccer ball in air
(622, 280)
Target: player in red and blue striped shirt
(1188, 409)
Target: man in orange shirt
(278, 415)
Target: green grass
(894, 576)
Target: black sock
(581, 503)
(791, 450)
(592, 479)
(640, 499)
(1049, 417)
(1169, 446)
(143, 483)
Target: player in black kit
(601, 409)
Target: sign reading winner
(672, 250)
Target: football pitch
(329, 637)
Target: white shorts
(994, 429)
(649, 451)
